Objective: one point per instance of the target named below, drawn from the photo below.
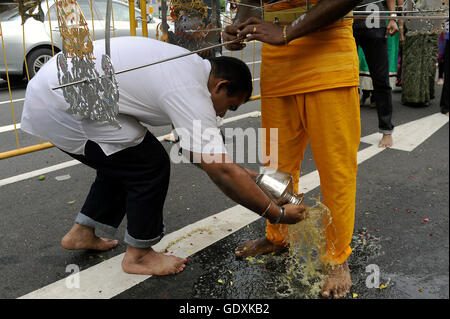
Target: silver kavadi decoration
(96, 98)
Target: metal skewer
(149, 64)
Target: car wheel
(36, 60)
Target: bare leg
(338, 281)
(83, 237)
(259, 246)
(146, 261)
(386, 141)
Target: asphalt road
(401, 226)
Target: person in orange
(309, 91)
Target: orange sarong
(309, 92)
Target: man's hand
(230, 34)
(256, 29)
(392, 28)
(252, 174)
(294, 214)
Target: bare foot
(440, 81)
(446, 113)
(386, 141)
(148, 262)
(82, 237)
(259, 246)
(338, 281)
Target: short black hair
(236, 72)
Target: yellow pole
(144, 18)
(24, 52)
(9, 86)
(26, 150)
(132, 18)
(50, 25)
(25, 55)
(93, 29)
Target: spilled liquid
(303, 276)
(293, 273)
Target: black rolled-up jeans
(374, 45)
(133, 181)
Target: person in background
(309, 93)
(373, 38)
(445, 89)
(441, 62)
(420, 51)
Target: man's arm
(324, 13)
(237, 183)
(245, 9)
(392, 27)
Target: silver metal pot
(278, 186)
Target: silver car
(38, 43)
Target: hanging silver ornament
(97, 97)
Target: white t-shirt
(173, 92)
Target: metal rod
(149, 64)
(399, 11)
(107, 28)
(204, 30)
(399, 18)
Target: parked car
(38, 43)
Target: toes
(239, 251)
(336, 293)
(108, 241)
(106, 244)
(325, 292)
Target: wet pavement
(401, 227)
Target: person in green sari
(420, 52)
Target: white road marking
(38, 172)
(8, 128)
(9, 101)
(410, 135)
(107, 279)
